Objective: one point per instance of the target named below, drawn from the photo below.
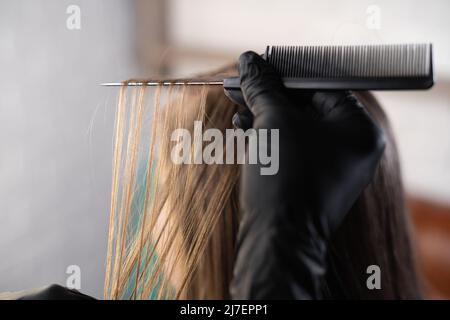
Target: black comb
(356, 67)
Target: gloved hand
(329, 148)
(57, 292)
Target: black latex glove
(57, 292)
(328, 152)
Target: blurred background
(56, 121)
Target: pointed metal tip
(111, 84)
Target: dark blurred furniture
(432, 240)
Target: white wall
(56, 137)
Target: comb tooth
(272, 57)
(293, 63)
(378, 60)
(390, 59)
(428, 59)
(329, 61)
(404, 52)
(310, 64)
(276, 57)
(346, 60)
(364, 71)
(375, 62)
(281, 54)
(362, 63)
(307, 65)
(342, 60)
(317, 64)
(352, 60)
(333, 61)
(421, 59)
(415, 59)
(302, 71)
(287, 56)
(307, 58)
(402, 61)
(279, 57)
(321, 66)
(414, 62)
(311, 69)
(372, 62)
(349, 60)
(345, 53)
(287, 65)
(318, 68)
(323, 55)
(394, 59)
(409, 54)
(408, 61)
(316, 61)
(316, 53)
(339, 62)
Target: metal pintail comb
(354, 67)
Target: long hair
(173, 226)
(376, 232)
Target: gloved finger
(338, 102)
(243, 119)
(354, 124)
(236, 97)
(324, 102)
(261, 86)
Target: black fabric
(57, 292)
(329, 148)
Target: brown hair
(375, 232)
(173, 227)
